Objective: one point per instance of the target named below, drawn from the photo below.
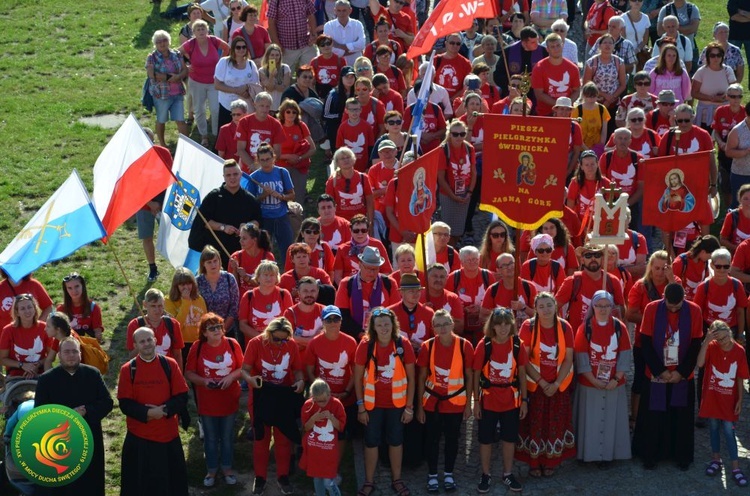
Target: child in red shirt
(726, 368)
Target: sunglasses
(383, 312)
(237, 114)
(394, 123)
(326, 43)
(279, 340)
(312, 231)
(240, 47)
(590, 255)
(291, 112)
(734, 97)
(636, 119)
(215, 327)
(683, 121)
(359, 231)
(236, 8)
(721, 266)
(715, 55)
(72, 276)
(643, 83)
(454, 43)
(666, 104)
(496, 235)
(543, 250)
(462, 134)
(333, 319)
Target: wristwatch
(221, 227)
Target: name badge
(680, 239)
(460, 187)
(604, 371)
(670, 355)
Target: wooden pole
(125, 276)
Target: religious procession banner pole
(138, 306)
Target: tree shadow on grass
(153, 22)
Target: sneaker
(200, 429)
(259, 485)
(285, 485)
(230, 479)
(209, 481)
(512, 483)
(484, 484)
(153, 275)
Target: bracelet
(408, 412)
(360, 402)
(525, 400)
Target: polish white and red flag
(450, 16)
(129, 173)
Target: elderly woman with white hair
(732, 53)
(642, 139)
(710, 84)
(166, 70)
(226, 143)
(486, 52)
(570, 49)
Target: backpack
(578, 281)
(654, 120)
(579, 108)
(167, 323)
(447, 152)
(587, 329)
(526, 289)
(735, 218)
(183, 414)
(461, 342)
(735, 285)
(532, 269)
(485, 278)
(651, 291)
(608, 164)
(386, 283)
(484, 382)
(634, 241)
(93, 354)
(398, 342)
(684, 258)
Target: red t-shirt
(418, 326)
(258, 41)
(320, 258)
(25, 345)
(458, 167)
(622, 170)
(661, 126)
(379, 176)
(151, 386)
(544, 279)
(720, 302)
(504, 296)
(577, 309)
(261, 309)
(692, 275)
(294, 135)
(8, 293)
(332, 361)
(741, 231)
(359, 138)
(305, 324)
(584, 196)
(216, 362)
(164, 342)
(385, 360)
(276, 364)
(490, 93)
(395, 78)
(501, 367)
(289, 281)
(335, 233)
(548, 338)
(432, 120)
(254, 132)
(320, 455)
(471, 290)
(227, 142)
(638, 298)
(555, 81)
(477, 131)
(725, 120)
(373, 114)
(54, 344)
(349, 263)
(84, 325)
(447, 301)
(443, 361)
(393, 99)
(602, 350)
(627, 252)
(450, 72)
(387, 298)
(673, 321)
(400, 20)
(250, 263)
(695, 140)
(442, 258)
(327, 70)
(352, 200)
(722, 371)
(391, 199)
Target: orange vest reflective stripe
(398, 382)
(513, 375)
(455, 375)
(535, 356)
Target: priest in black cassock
(81, 388)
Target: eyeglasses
(733, 97)
(603, 307)
(592, 254)
(667, 104)
(309, 76)
(235, 8)
(637, 119)
(543, 250)
(496, 235)
(382, 312)
(312, 231)
(325, 43)
(279, 340)
(462, 134)
(240, 47)
(643, 83)
(715, 55)
(363, 69)
(71, 276)
(454, 43)
(441, 234)
(333, 319)
(215, 327)
(506, 265)
(394, 123)
(560, 30)
(442, 324)
(359, 231)
(683, 121)
(291, 111)
(237, 114)
(721, 266)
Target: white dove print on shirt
(278, 371)
(334, 369)
(726, 380)
(356, 146)
(353, 198)
(694, 147)
(610, 351)
(551, 351)
(30, 355)
(625, 179)
(267, 317)
(325, 433)
(503, 369)
(559, 87)
(724, 311)
(165, 345)
(222, 368)
(386, 371)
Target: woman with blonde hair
(458, 180)
(275, 76)
(272, 367)
(349, 188)
(24, 342)
(185, 303)
(259, 306)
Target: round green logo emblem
(52, 445)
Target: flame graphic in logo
(53, 447)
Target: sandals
(400, 487)
(535, 472)
(448, 483)
(367, 489)
(548, 471)
(739, 477)
(432, 483)
(713, 468)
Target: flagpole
(125, 276)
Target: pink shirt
(202, 66)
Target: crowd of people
(333, 327)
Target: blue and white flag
(417, 114)
(198, 171)
(65, 222)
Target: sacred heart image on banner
(676, 192)
(525, 160)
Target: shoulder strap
(670, 135)
(576, 287)
(386, 282)
(456, 279)
(555, 266)
(141, 321)
(579, 109)
(735, 216)
(608, 160)
(532, 268)
(684, 258)
(487, 350)
(651, 135)
(634, 240)
(485, 277)
(131, 366)
(169, 325)
(451, 256)
(654, 120)
(167, 369)
(587, 329)
(527, 290)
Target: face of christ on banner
(677, 197)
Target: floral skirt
(545, 436)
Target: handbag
(644, 54)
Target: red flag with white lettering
(450, 16)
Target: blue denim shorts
(170, 109)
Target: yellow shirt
(591, 123)
(188, 313)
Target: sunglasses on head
(502, 312)
(24, 296)
(592, 254)
(382, 312)
(496, 235)
(461, 134)
(70, 277)
(543, 250)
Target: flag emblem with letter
(65, 222)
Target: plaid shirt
(291, 22)
(172, 65)
(623, 48)
(550, 9)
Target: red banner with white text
(525, 160)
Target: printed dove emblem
(356, 146)
(559, 87)
(609, 350)
(724, 311)
(221, 369)
(353, 198)
(503, 368)
(30, 355)
(335, 369)
(267, 317)
(624, 179)
(278, 370)
(165, 346)
(325, 433)
(551, 351)
(740, 235)
(386, 371)
(335, 239)
(726, 380)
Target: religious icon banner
(415, 191)
(524, 165)
(675, 192)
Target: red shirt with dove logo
(320, 455)
(275, 364)
(603, 349)
(260, 309)
(501, 368)
(724, 372)
(215, 363)
(332, 361)
(25, 345)
(443, 359)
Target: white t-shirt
(232, 76)
(640, 27)
(714, 82)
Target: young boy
(323, 418)
(725, 368)
(594, 117)
(356, 134)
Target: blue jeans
(735, 183)
(280, 230)
(325, 486)
(217, 441)
(728, 429)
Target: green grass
(68, 59)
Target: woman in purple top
(218, 287)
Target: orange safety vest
(535, 356)
(398, 382)
(485, 385)
(456, 386)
